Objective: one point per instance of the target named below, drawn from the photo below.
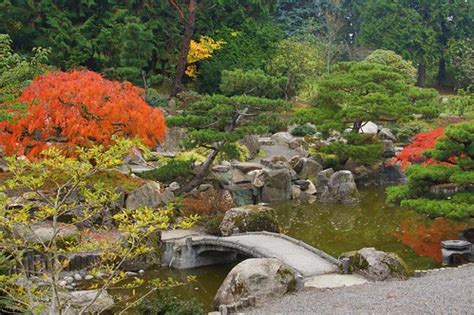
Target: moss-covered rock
(377, 265)
(249, 218)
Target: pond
(336, 228)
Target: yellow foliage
(200, 50)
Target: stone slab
(334, 281)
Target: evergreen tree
(217, 122)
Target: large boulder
(307, 168)
(386, 134)
(250, 218)
(43, 232)
(252, 144)
(149, 195)
(369, 127)
(261, 278)
(277, 186)
(341, 188)
(377, 265)
(283, 138)
(74, 301)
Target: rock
(295, 192)
(173, 139)
(205, 187)
(174, 186)
(377, 265)
(341, 188)
(307, 168)
(303, 183)
(262, 278)
(252, 144)
(135, 157)
(44, 232)
(386, 134)
(221, 168)
(131, 274)
(248, 218)
(278, 186)
(258, 178)
(141, 271)
(77, 277)
(88, 277)
(246, 167)
(238, 177)
(369, 127)
(322, 180)
(282, 138)
(69, 279)
(148, 195)
(393, 174)
(265, 141)
(69, 287)
(74, 301)
(243, 194)
(295, 143)
(311, 189)
(62, 283)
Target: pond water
(336, 228)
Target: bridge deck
(307, 262)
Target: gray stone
(303, 183)
(74, 301)
(88, 277)
(311, 189)
(62, 283)
(44, 231)
(369, 127)
(252, 144)
(248, 218)
(69, 279)
(278, 186)
(388, 149)
(246, 167)
(282, 138)
(377, 265)
(295, 192)
(221, 168)
(135, 157)
(242, 194)
(238, 177)
(262, 278)
(307, 168)
(148, 195)
(386, 134)
(205, 187)
(77, 277)
(341, 188)
(258, 178)
(174, 186)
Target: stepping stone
(334, 280)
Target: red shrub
(68, 109)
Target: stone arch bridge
(197, 251)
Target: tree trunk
(442, 72)
(188, 34)
(421, 80)
(204, 168)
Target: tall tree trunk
(188, 34)
(442, 72)
(421, 80)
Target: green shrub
(362, 148)
(303, 130)
(395, 194)
(252, 82)
(155, 99)
(164, 303)
(437, 208)
(171, 171)
(421, 178)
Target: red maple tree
(413, 153)
(79, 108)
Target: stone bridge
(197, 251)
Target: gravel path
(443, 292)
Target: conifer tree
(217, 122)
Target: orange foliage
(425, 240)
(413, 153)
(80, 108)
